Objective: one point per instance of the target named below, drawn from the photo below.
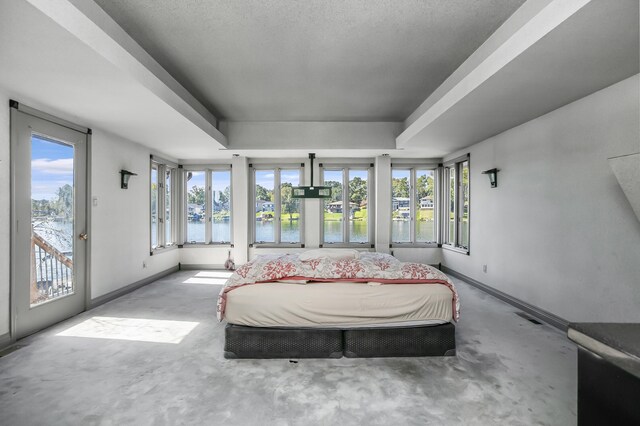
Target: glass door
(49, 222)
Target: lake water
(221, 231)
(61, 234)
(332, 231)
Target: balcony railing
(52, 271)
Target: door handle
(83, 236)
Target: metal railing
(52, 271)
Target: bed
(329, 304)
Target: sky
(51, 167)
(336, 175)
(265, 178)
(219, 181)
(404, 173)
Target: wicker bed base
(258, 342)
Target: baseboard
(101, 300)
(5, 341)
(541, 314)
(199, 266)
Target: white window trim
(456, 165)
(211, 170)
(413, 167)
(162, 166)
(370, 168)
(277, 168)
(207, 170)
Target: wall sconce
(493, 176)
(124, 178)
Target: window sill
(461, 250)
(207, 245)
(413, 245)
(367, 245)
(159, 250)
(274, 245)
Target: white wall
(558, 232)
(120, 230)
(119, 234)
(5, 224)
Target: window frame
(277, 208)
(454, 167)
(162, 165)
(207, 169)
(210, 172)
(413, 168)
(346, 167)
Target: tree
(196, 195)
(224, 197)
(154, 200)
(425, 186)
(400, 187)
(64, 203)
(357, 190)
(41, 207)
(336, 190)
(263, 193)
(289, 204)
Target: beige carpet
(154, 357)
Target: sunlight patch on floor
(135, 329)
(214, 274)
(209, 281)
(209, 278)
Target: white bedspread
(338, 304)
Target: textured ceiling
(315, 60)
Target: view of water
(358, 231)
(220, 231)
(400, 231)
(60, 233)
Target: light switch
(95, 201)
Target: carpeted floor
(155, 357)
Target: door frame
(15, 108)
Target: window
(221, 206)
(413, 205)
(162, 205)
(277, 215)
(154, 206)
(456, 229)
(196, 206)
(169, 173)
(346, 217)
(208, 205)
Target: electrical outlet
(144, 264)
(484, 268)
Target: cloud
(62, 166)
(46, 189)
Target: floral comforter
(377, 267)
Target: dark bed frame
(412, 341)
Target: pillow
(332, 253)
(286, 281)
